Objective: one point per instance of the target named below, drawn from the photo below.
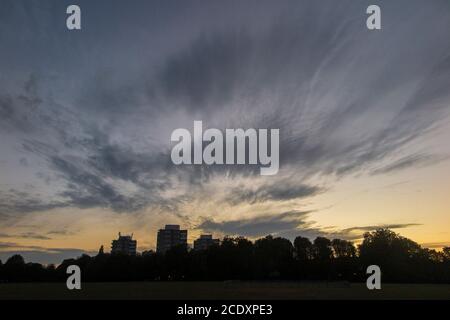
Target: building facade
(205, 241)
(169, 237)
(124, 245)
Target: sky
(86, 118)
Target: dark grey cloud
(207, 75)
(386, 226)
(23, 110)
(416, 160)
(356, 233)
(92, 175)
(240, 72)
(60, 232)
(26, 235)
(39, 254)
(7, 245)
(15, 201)
(271, 192)
(87, 189)
(290, 225)
(259, 226)
(84, 188)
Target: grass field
(223, 290)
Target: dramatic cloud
(274, 192)
(290, 225)
(14, 201)
(86, 118)
(386, 226)
(286, 75)
(259, 226)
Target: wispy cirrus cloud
(26, 235)
(89, 133)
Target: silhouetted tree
(446, 253)
(267, 258)
(233, 259)
(303, 248)
(273, 257)
(398, 257)
(343, 248)
(175, 263)
(322, 249)
(14, 268)
(15, 260)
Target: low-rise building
(124, 245)
(205, 241)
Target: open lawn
(223, 290)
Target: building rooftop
(125, 236)
(172, 227)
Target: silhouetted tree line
(269, 258)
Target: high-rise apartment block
(169, 237)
